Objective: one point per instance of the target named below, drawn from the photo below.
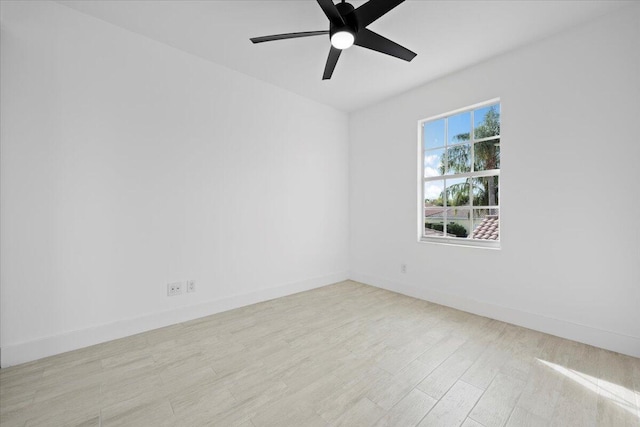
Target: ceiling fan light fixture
(342, 39)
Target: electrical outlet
(174, 289)
(191, 285)
(403, 268)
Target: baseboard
(14, 354)
(608, 340)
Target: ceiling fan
(347, 26)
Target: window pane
(486, 191)
(434, 163)
(433, 221)
(486, 224)
(433, 134)
(433, 191)
(486, 121)
(458, 222)
(487, 155)
(459, 159)
(459, 128)
(457, 192)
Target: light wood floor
(346, 354)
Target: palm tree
(487, 157)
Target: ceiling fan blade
(332, 60)
(374, 9)
(287, 36)
(331, 11)
(374, 41)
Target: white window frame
(491, 244)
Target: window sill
(468, 243)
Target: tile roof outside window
(488, 229)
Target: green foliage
(490, 126)
(458, 194)
(434, 202)
(457, 229)
(452, 228)
(434, 226)
(458, 160)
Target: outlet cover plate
(191, 285)
(174, 289)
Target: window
(460, 176)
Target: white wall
(570, 212)
(127, 164)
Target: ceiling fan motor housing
(350, 20)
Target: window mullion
(446, 171)
(421, 226)
(479, 174)
(473, 169)
(488, 138)
(471, 141)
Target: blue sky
(433, 135)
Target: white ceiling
(446, 35)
